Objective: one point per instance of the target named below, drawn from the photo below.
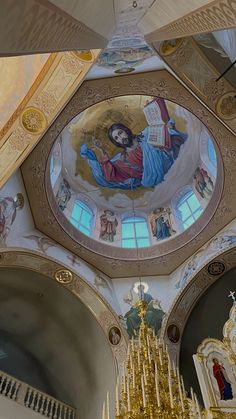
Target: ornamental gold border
(219, 14)
(37, 112)
(181, 71)
(224, 96)
(29, 95)
(164, 257)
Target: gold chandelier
(151, 386)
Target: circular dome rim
(160, 249)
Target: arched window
(189, 209)
(135, 232)
(211, 152)
(82, 217)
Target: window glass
(135, 232)
(189, 209)
(211, 152)
(82, 217)
(141, 229)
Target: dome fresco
(133, 170)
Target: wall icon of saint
(161, 223)
(153, 316)
(114, 335)
(222, 379)
(142, 159)
(203, 183)
(63, 194)
(108, 225)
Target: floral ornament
(226, 106)
(213, 90)
(33, 120)
(64, 276)
(216, 268)
(182, 56)
(46, 101)
(71, 65)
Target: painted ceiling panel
(17, 77)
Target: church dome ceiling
(175, 159)
(132, 171)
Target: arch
(86, 293)
(204, 277)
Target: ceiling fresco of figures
(117, 61)
(133, 156)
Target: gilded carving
(226, 106)
(217, 15)
(71, 65)
(64, 276)
(46, 101)
(216, 268)
(33, 120)
(169, 47)
(213, 90)
(85, 55)
(117, 264)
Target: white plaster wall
(23, 234)
(13, 410)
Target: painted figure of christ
(139, 163)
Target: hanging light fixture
(150, 386)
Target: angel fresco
(203, 183)
(145, 158)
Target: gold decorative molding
(64, 276)
(55, 85)
(100, 309)
(33, 120)
(191, 65)
(219, 14)
(167, 255)
(28, 96)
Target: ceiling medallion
(216, 268)
(226, 106)
(170, 46)
(64, 276)
(33, 120)
(84, 55)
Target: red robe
(130, 166)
